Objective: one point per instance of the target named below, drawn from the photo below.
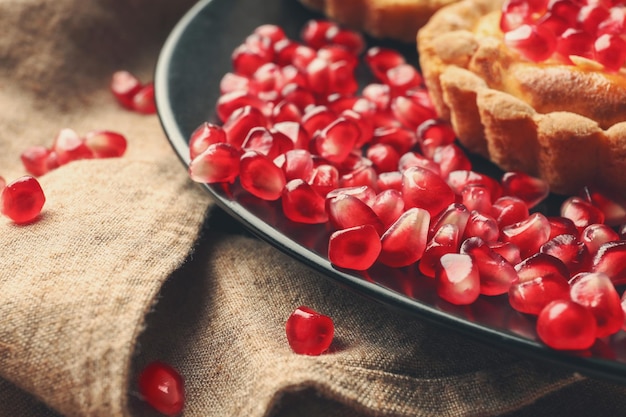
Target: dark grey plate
(190, 66)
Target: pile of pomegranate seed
(68, 146)
(562, 29)
(309, 332)
(22, 199)
(132, 94)
(390, 181)
(163, 388)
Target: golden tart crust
(564, 123)
(392, 19)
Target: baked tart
(534, 85)
(384, 19)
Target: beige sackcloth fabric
(129, 263)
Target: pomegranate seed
(507, 250)
(22, 199)
(218, 163)
(541, 265)
(529, 234)
(561, 226)
(574, 42)
(314, 33)
(450, 158)
(390, 181)
(260, 177)
(267, 143)
(456, 214)
(143, 100)
(365, 125)
(337, 53)
(477, 198)
(567, 10)
(529, 189)
(610, 51)
(364, 193)
(553, 23)
(293, 131)
(317, 118)
(240, 122)
(596, 292)
(297, 95)
(337, 140)
(350, 40)
(496, 273)
(309, 332)
(458, 180)
(206, 134)
(388, 206)
(405, 240)
(424, 189)
(384, 157)
(440, 133)
(614, 24)
(286, 111)
(445, 240)
(457, 278)
(379, 94)
(35, 160)
(402, 78)
(515, 13)
(302, 56)
(246, 60)
(302, 204)
(318, 76)
(232, 82)
(341, 78)
(401, 139)
(105, 144)
(590, 16)
(569, 250)
(534, 43)
(68, 147)
(266, 79)
(410, 113)
(611, 259)
(566, 325)
(345, 211)
(595, 235)
(380, 60)
(163, 388)
(581, 212)
(482, 226)
(354, 248)
(296, 164)
(509, 210)
(273, 32)
(324, 179)
(124, 86)
(362, 175)
(614, 213)
(229, 102)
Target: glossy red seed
(296, 164)
(105, 143)
(260, 177)
(354, 248)
(424, 189)
(569, 250)
(163, 388)
(379, 94)
(450, 158)
(228, 103)
(384, 157)
(581, 212)
(313, 33)
(124, 86)
(246, 60)
(302, 204)
(285, 111)
(532, 42)
(541, 265)
(458, 180)
(611, 259)
(218, 163)
(324, 179)
(517, 12)
(482, 226)
(440, 133)
(531, 295)
(614, 212)
(614, 24)
(293, 131)
(405, 240)
(574, 42)
(456, 214)
(341, 79)
(566, 325)
(507, 250)
(316, 118)
(263, 141)
(410, 113)
(206, 134)
(508, 210)
(496, 273)
(561, 226)
(337, 140)
(445, 240)
(233, 82)
(266, 79)
(476, 197)
(351, 40)
(345, 211)
(388, 206)
(401, 139)
(273, 32)
(610, 51)
(380, 60)
(596, 292)
(35, 160)
(529, 234)
(143, 100)
(22, 200)
(458, 281)
(336, 53)
(361, 175)
(403, 78)
(389, 181)
(309, 332)
(591, 15)
(530, 190)
(553, 23)
(240, 122)
(596, 235)
(68, 147)
(363, 193)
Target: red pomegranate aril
(285, 111)
(365, 125)
(509, 210)
(581, 212)
(246, 60)
(337, 53)
(456, 214)
(445, 240)
(233, 82)
(424, 189)
(591, 15)
(309, 332)
(379, 94)
(529, 234)
(405, 240)
(541, 265)
(515, 13)
(35, 160)
(313, 33)
(401, 139)
(273, 32)
(364, 193)
(414, 159)
(458, 180)
(476, 197)
(384, 157)
(567, 10)
(614, 24)
(68, 147)
(458, 281)
(440, 132)
(450, 158)
(299, 96)
(143, 100)
(267, 143)
(402, 78)
(260, 177)
(380, 60)
(228, 103)
(240, 122)
(388, 206)
(284, 51)
(611, 259)
(610, 51)
(354, 248)
(596, 235)
(530, 190)
(507, 250)
(496, 273)
(337, 140)
(595, 291)
(317, 118)
(569, 250)
(532, 42)
(482, 226)
(302, 204)
(124, 86)
(533, 294)
(553, 23)
(410, 113)
(341, 79)
(302, 56)
(389, 181)
(345, 211)
(561, 226)
(350, 40)
(163, 388)
(105, 144)
(324, 179)
(574, 42)
(614, 212)
(296, 164)
(318, 76)
(218, 163)
(566, 325)
(362, 175)
(206, 134)
(268, 77)
(22, 199)
(294, 131)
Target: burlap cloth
(129, 263)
